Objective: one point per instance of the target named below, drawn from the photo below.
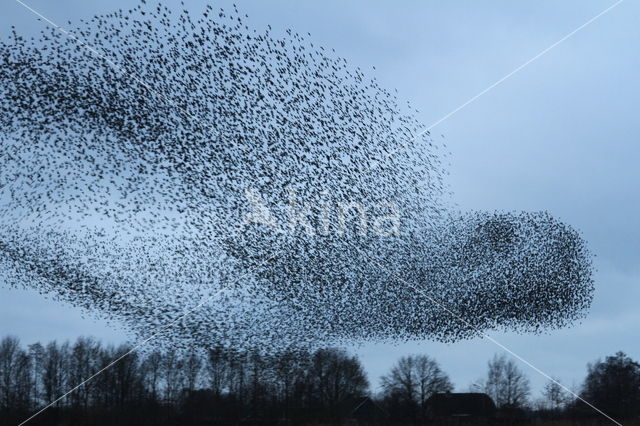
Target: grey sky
(561, 135)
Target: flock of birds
(128, 151)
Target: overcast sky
(560, 135)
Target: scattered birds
(123, 190)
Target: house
(460, 406)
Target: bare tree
(192, 368)
(9, 352)
(82, 364)
(151, 369)
(218, 370)
(238, 371)
(414, 379)
(294, 385)
(23, 382)
(127, 383)
(336, 376)
(171, 372)
(555, 396)
(289, 376)
(288, 370)
(505, 383)
(55, 371)
(37, 354)
(15, 377)
(258, 383)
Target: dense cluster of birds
(137, 151)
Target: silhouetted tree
(175, 387)
(238, 372)
(613, 385)
(335, 377)
(223, 386)
(290, 379)
(505, 383)
(172, 374)
(37, 354)
(151, 369)
(218, 369)
(15, 378)
(82, 364)
(55, 377)
(192, 369)
(412, 380)
(556, 398)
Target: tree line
(221, 386)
